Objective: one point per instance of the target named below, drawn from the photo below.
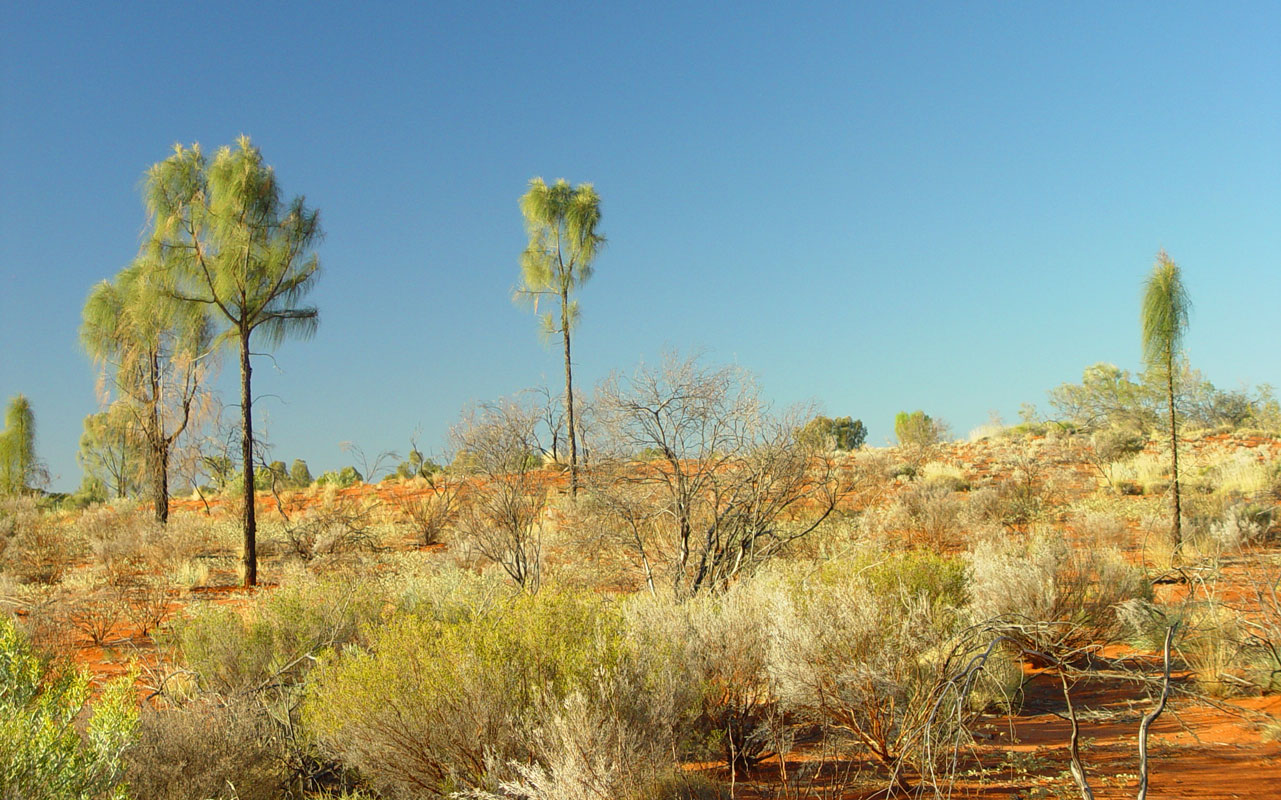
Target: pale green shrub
(860, 651)
(1047, 596)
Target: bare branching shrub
(707, 481)
(338, 527)
(499, 451)
(1048, 596)
(97, 614)
(433, 509)
(206, 750)
(146, 603)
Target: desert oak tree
(155, 351)
(563, 242)
(1163, 320)
(244, 254)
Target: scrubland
(994, 618)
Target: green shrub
(42, 756)
(439, 702)
(276, 639)
(917, 429)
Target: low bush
(42, 756)
(206, 750)
(1049, 598)
(882, 659)
(443, 702)
(275, 640)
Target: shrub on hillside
(872, 649)
(276, 639)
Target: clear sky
(946, 206)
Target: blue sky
(944, 206)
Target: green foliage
(154, 349)
(110, 452)
(842, 433)
(416, 465)
(916, 429)
(299, 474)
(232, 652)
(237, 250)
(342, 478)
(440, 689)
(42, 756)
(1164, 313)
(563, 243)
(20, 469)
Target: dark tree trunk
(159, 449)
(160, 480)
(1176, 534)
(569, 399)
(247, 459)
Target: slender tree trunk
(569, 398)
(160, 480)
(247, 459)
(159, 449)
(1177, 530)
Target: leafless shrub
(97, 614)
(341, 526)
(707, 481)
(146, 603)
(499, 451)
(433, 510)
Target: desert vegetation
(664, 587)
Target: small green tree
(299, 474)
(563, 243)
(20, 468)
(239, 251)
(842, 433)
(1163, 319)
(110, 453)
(154, 350)
(916, 429)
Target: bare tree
(499, 451)
(706, 480)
